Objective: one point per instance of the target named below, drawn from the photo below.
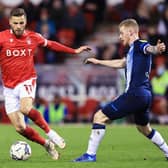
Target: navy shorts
(135, 101)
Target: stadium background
(84, 88)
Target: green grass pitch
(122, 147)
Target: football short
(135, 101)
(13, 95)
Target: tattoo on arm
(152, 49)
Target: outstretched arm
(157, 49)
(117, 63)
(62, 48)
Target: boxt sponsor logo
(18, 52)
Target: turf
(122, 147)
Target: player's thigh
(119, 108)
(17, 120)
(141, 115)
(26, 104)
(100, 117)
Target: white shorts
(13, 96)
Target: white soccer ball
(20, 150)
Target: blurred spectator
(46, 4)
(96, 8)
(46, 27)
(163, 23)
(57, 110)
(129, 8)
(142, 13)
(4, 18)
(163, 26)
(45, 19)
(160, 88)
(57, 12)
(94, 11)
(74, 20)
(71, 116)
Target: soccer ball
(20, 150)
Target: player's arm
(62, 48)
(117, 63)
(53, 45)
(157, 49)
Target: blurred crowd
(94, 22)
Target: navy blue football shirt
(138, 65)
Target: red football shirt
(16, 55)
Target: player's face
(124, 35)
(18, 24)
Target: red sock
(38, 119)
(32, 135)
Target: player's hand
(91, 60)
(82, 48)
(160, 46)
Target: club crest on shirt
(11, 40)
(28, 40)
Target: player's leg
(26, 108)
(142, 121)
(155, 137)
(97, 133)
(12, 106)
(111, 111)
(96, 136)
(27, 93)
(17, 120)
(38, 119)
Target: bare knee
(145, 130)
(20, 127)
(100, 118)
(17, 120)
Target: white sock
(53, 135)
(94, 140)
(159, 141)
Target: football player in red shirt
(17, 48)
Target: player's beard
(18, 32)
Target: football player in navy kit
(136, 98)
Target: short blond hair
(130, 23)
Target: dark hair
(18, 12)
